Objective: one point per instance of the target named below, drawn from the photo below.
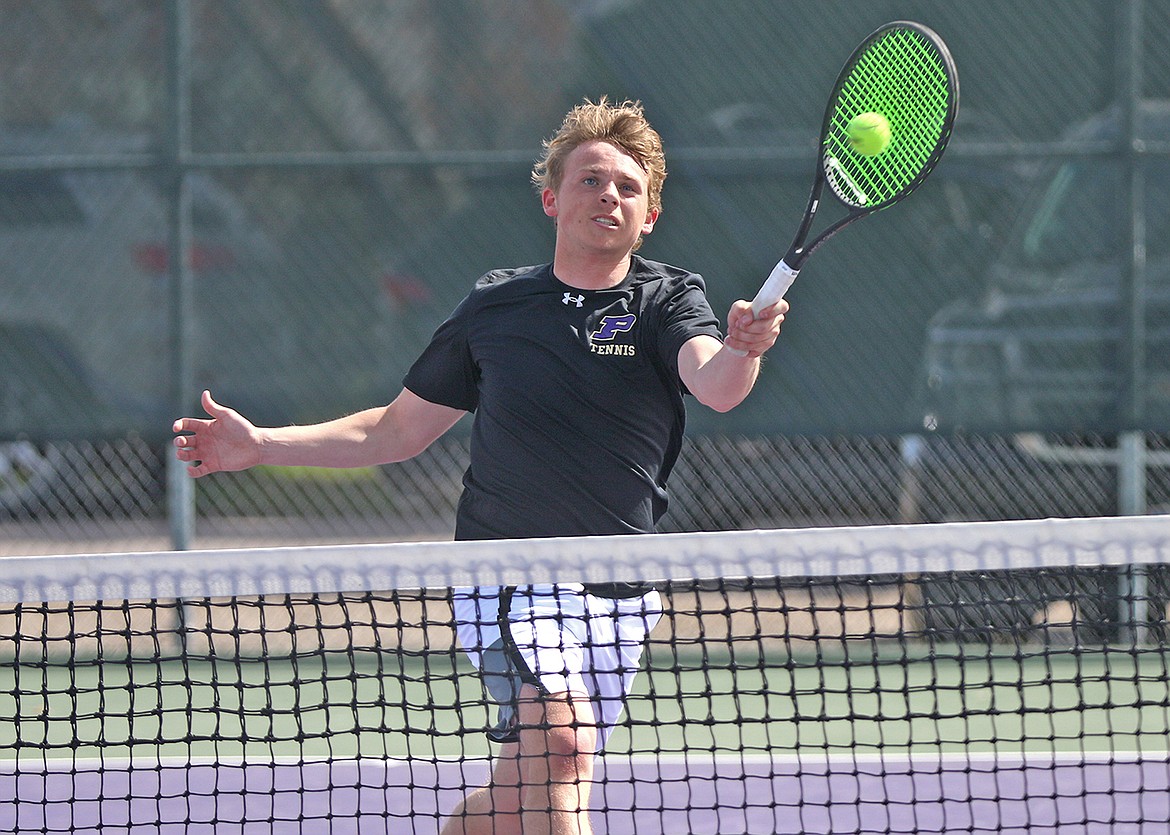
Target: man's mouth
(606, 221)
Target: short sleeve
(685, 314)
(445, 372)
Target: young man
(576, 372)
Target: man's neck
(590, 273)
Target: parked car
(1043, 346)
(85, 336)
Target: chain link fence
(107, 496)
(349, 168)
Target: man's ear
(548, 201)
(648, 226)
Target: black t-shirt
(578, 403)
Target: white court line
(948, 758)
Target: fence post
(173, 161)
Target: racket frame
(786, 270)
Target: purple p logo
(611, 326)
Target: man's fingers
(189, 425)
(775, 310)
(742, 317)
(210, 406)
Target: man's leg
(542, 783)
(558, 744)
(493, 809)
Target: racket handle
(775, 287)
(772, 291)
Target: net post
(1131, 493)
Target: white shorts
(559, 639)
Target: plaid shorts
(559, 639)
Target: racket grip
(772, 291)
(775, 287)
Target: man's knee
(560, 730)
(570, 749)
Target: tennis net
(963, 677)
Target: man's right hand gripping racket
(885, 128)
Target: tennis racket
(905, 73)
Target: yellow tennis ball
(869, 133)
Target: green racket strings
(902, 76)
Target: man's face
(602, 202)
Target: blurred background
(280, 200)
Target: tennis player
(576, 372)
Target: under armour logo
(571, 299)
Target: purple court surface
(1033, 793)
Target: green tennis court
(389, 706)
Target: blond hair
(623, 125)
